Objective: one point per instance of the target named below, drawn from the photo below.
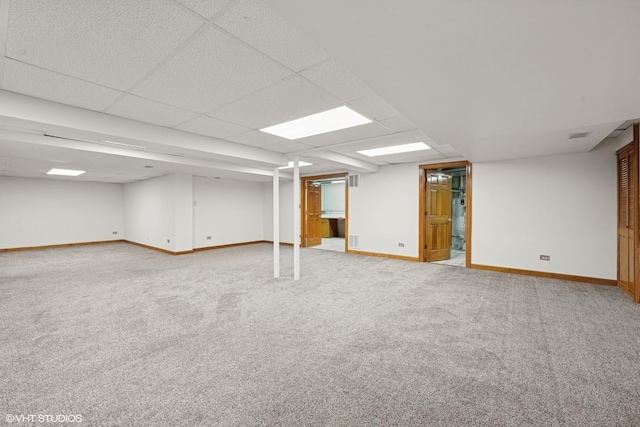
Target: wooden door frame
(633, 145)
(303, 205)
(421, 206)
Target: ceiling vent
(578, 135)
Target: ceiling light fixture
(395, 149)
(300, 164)
(342, 181)
(124, 144)
(65, 172)
(316, 124)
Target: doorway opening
(324, 209)
(445, 213)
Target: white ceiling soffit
(126, 152)
(349, 162)
(495, 81)
(61, 116)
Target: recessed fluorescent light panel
(124, 144)
(316, 124)
(395, 149)
(65, 172)
(290, 165)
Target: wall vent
(354, 240)
(354, 180)
(578, 135)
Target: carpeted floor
(126, 336)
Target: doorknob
(449, 220)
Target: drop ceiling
(189, 83)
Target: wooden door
(438, 216)
(313, 210)
(627, 219)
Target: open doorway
(445, 213)
(324, 202)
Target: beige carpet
(127, 336)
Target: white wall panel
(561, 206)
(228, 211)
(41, 212)
(383, 210)
(153, 208)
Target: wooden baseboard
(230, 245)
(281, 243)
(402, 257)
(584, 279)
(62, 245)
(159, 249)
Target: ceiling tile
(213, 70)
(206, 8)
(398, 124)
(288, 99)
(368, 130)
(448, 150)
(374, 107)
(208, 126)
(418, 156)
(45, 84)
(287, 147)
(256, 138)
(256, 24)
(136, 108)
(113, 43)
(336, 79)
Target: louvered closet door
(627, 187)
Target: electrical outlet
(208, 237)
(168, 240)
(115, 232)
(545, 258)
(401, 245)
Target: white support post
(276, 222)
(296, 218)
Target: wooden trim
(421, 205)
(62, 245)
(271, 242)
(229, 245)
(636, 237)
(421, 214)
(467, 235)
(160, 249)
(401, 257)
(449, 165)
(559, 276)
(317, 177)
(303, 205)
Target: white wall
(333, 199)
(158, 212)
(383, 210)
(286, 211)
(41, 212)
(562, 206)
(228, 211)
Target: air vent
(578, 135)
(354, 240)
(354, 180)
